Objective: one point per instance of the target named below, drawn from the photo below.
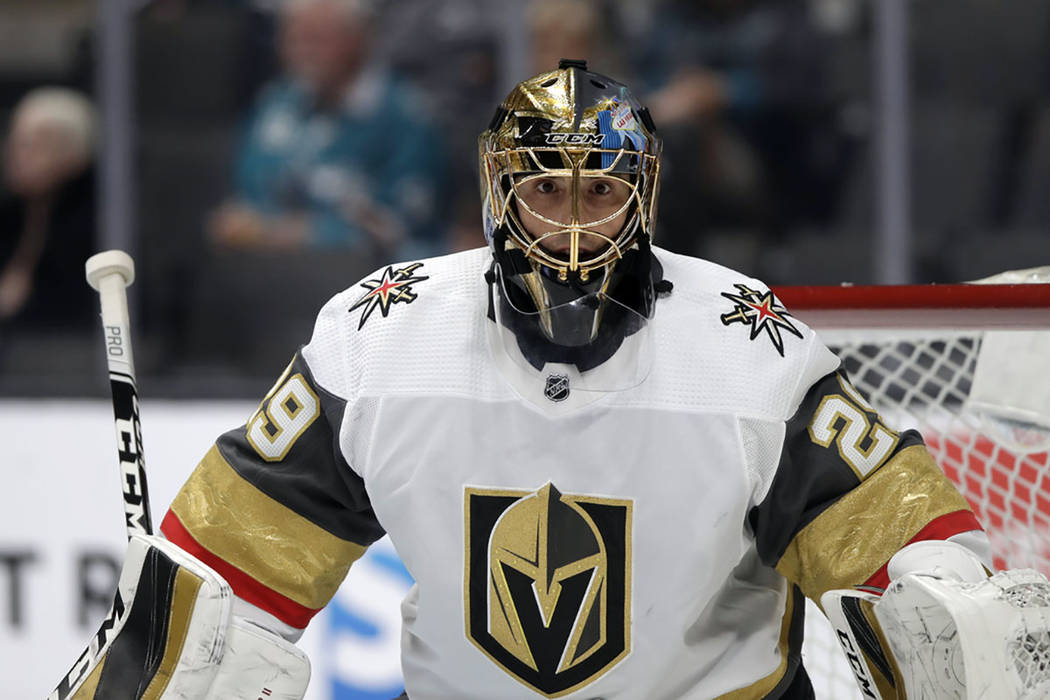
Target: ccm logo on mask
(575, 139)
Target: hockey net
(916, 353)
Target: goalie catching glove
(944, 629)
(171, 635)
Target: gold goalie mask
(569, 168)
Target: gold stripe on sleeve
(268, 541)
(849, 541)
(183, 601)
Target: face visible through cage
(573, 217)
(573, 209)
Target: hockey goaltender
(614, 472)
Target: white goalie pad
(259, 664)
(171, 636)
(987, 640)
(169, 619)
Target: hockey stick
(110, 273)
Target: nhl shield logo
(547, 584)
(557, 388)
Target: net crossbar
(912, 351)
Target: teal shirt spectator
(334, 165)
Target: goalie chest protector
(567, 543)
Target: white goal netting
(1000, 460)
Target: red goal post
(954, 306)
(914, 351)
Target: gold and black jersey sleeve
(274, 507)
(848, 493)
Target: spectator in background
(336, 153)
(449, 50)
(570, 29)
(738, 89)
(47, 211)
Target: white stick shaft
(111, 283)
(115, 325)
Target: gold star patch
(763, 312)
(393, 286)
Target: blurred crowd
(285, 148)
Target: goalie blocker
(171, 634)
(944, 629)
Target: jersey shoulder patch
(403, 327)
(744, 306)
(761, 314)
(393, 285)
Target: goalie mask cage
(912, 350)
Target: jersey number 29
(283, 416)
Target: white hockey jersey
(649, 543)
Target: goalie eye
(546, 187)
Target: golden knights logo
(548, 584)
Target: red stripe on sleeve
(246, 588)
(937, 529)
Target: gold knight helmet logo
(548, 584)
